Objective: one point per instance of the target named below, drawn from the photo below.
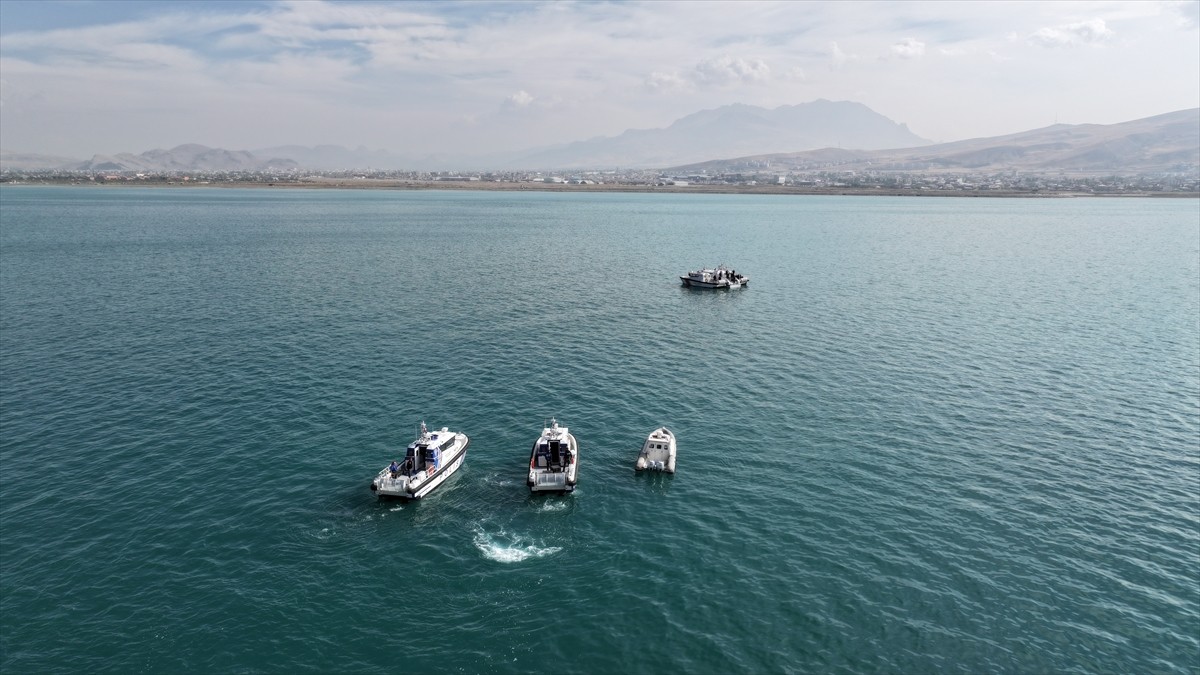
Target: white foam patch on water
(396, 508)
(507, 548)
(553, 506)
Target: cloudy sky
(79, 78)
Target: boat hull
(706, 285)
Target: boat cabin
(422, 456)
(552, 454)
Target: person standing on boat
(394, 468)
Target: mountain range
(732, 131)
(816, 135)
(1163, 143)
(189, 157)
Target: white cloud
(99, 39)
(667, 82)
(520, 99)
(151, 55)
(292, 72)
(1093, 31)
(718, 71)
(1189, 14)
(726, 69)
(909, 48)
(837, 57)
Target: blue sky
(80, 78)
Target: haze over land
(728, 131)
(443, 81)
(1162, 144)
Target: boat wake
(507, 548)
(495, 479)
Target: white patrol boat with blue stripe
(428, 462)
(554, 460)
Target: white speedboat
(553, 461)
(427, 463)
(658, 452)
(716, 277)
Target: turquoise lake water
(932, 435)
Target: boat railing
(552, 479)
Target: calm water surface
(956, 435)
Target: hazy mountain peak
(195, 148)
(734, 130)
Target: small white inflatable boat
(658, 452)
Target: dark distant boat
(716, 277)
(428, 462)
(554, 460)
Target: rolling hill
(1163, 143)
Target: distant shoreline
(482, 186)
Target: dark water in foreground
(931, 436)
